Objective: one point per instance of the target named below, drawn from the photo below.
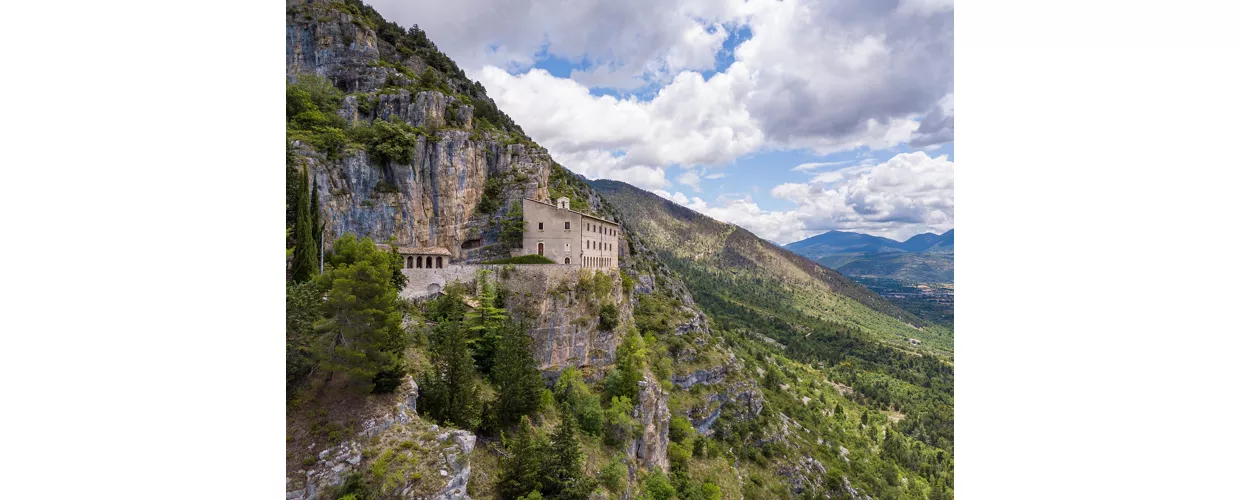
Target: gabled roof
(424, 251)
(415, 250)
(595, 217)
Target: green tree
(512, 228)
(608, 317)
(630, 364)
(520, 470)
(565, 476)
(306, 248)
(361, 332)
(515, 375)
(486, 322)
(578, 401)
(451, 387)
(710, 491)
(301, 312)
(619, 421)
(399, 280)
(680, 429)
(658, 487)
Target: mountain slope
(781, 378)
(743, 268)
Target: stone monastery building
(569, 237)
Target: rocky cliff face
(413, 459)
(430, 201)
(653, 417)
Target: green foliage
(619, 422)
(614, 474)
(515, 376)
(389, 141)
(397, 262)
(492, 193)
(579, 402)
(521, 469)
(608, 317)
(630, 364)
(301, 312)
(310, 110)
(522, 259)
(512, 228)
(451, 389)
(312, 102)
(450, 306)
(306, 247)
(658, 487)
(678, 456)
(487, 323)
(680, 429)
(627, 282)
(564, 472)
(711, 491)
(360, 333)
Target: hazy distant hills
(925, 258)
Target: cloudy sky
(789, 118)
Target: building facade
(569, 237)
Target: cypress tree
(305, 260)
(316, 223)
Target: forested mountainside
(547, 381)
(786, 311)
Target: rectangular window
(565, 224)
(540, 226)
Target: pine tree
(361, 333)
(305, 251)
(451, 387)
(564, 475)
(516, 376)
(521, 470)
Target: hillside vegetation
(711, 365)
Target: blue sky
(789, 118)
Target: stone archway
(433, 288)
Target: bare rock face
(564, 324)
(651, 411)
(333, 44)
(429, 202)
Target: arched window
(419, 262)
(439, 262)
(540, 248)
(409, 261)
(566, 258)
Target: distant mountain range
(846, 243)
(925, 258)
